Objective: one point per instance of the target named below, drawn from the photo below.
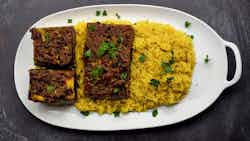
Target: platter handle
(238, 61)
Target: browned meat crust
(52, 86)
(112, 81)
(53, 46)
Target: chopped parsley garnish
(88, 54)
(154, 112)
(109, 48)
(172, 58)
(46, 36)
(206, 60)
(85, 113)
(102, 49)
(96, 72)
(112, 50)
(166, 67)
(187, 24)
(124, 75)
(50, 88)
(92, 28)
(104, 13)
(120, 39)
(116, 90)
(169, 79)
(116, 114)
(69, 20)
(154, 83)
(142, 58)
(191, 36)
(117, 15)
(97, 12)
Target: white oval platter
(209, 80)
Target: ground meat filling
(50, 86)
(107, 58)
(53, 46)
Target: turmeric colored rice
(158, 43)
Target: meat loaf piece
(53, 46)
(108, 53)
(52, 86)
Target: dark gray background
(227, 119)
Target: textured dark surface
(227, 119)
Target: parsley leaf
(206, 60)
(123, 75)
(154, 83)
(97, 12)
(117, 15)
(104, 13)
(46, 36)
(92, 28)
(172, 59)
(142, 58)
(154, 112)
(169, 79)
(69, 20)
(187, 24)
(110, 48)
(116, 114)
(116, 90)
(50, 88)
(191, 36)
(96, 72)
(120, 39)
(85, 113)
(166, 67)
(88, 54)
(102, 49)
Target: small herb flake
(124, 76)
(117, 15)
(154, 83)
(102, 49)
(97, 12)
(112, 50)
(154, 112)
(85, 113)
(206, 60)
(46, 36)
(116, 90)
(172, 61)
(120, 39)
(69, 20)
(169, 79)
(166, 67)
(116, 114)
(97, 72)
(88, 54)
(142, 58)
(191, 36)
(104, 13)
(92, 28)
(50, 88)
(187, 24)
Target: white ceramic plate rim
(226, 84)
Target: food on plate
(53, 46)
(161, 69)
(107, 58)
(52, 86)
(120, 66)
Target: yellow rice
(155, 41)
